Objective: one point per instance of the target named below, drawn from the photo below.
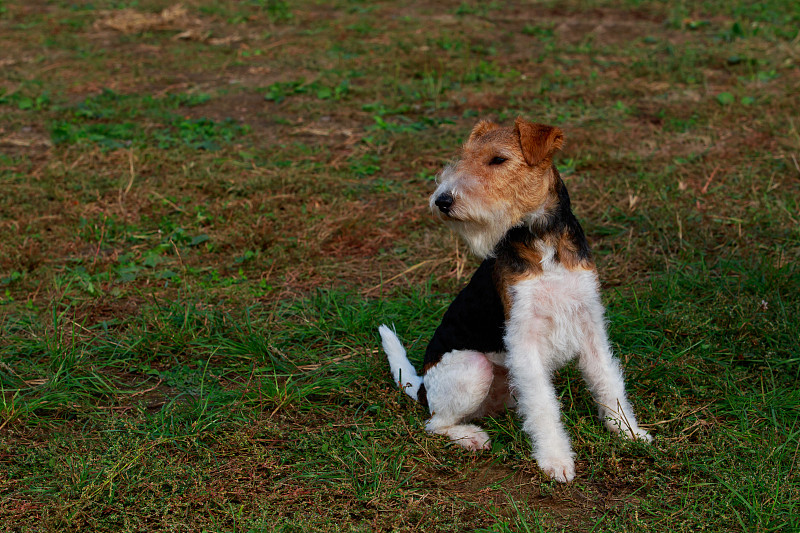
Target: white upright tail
(403, 371)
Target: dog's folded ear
(481, 128)
(538, 141)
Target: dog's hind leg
(456, 388)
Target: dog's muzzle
(444, 201)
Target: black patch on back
(474, 321)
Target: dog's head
(503, 178)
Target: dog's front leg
(539, 407)
(603, 375)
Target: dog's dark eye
(497, 160)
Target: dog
(532, 306)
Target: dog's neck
(553, 231)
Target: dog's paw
(559, 468)
(638, 434)
(475, 444)
(626, 431)
(472, 438)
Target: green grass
(200, 233)
(109, 120)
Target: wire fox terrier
(532, 305)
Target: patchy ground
(208, 207)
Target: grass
(207, 211)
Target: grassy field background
(207, 208)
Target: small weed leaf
(200, 239)
(127, 272)
(409, 127)
(366, 165)
(484, 70)
(14, 276)
(381, 110)
(277, 10)
(403, 124)
(333, 93)
(109, 136)
(725, 98)
(201, 134)
(538, 31)
(24, 102)
(696, 24)
(279, 91)
(765, 76)
(733, 33)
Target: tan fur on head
(503, 179)
(481, 128)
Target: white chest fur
(550, 313)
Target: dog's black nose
(444, 201)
